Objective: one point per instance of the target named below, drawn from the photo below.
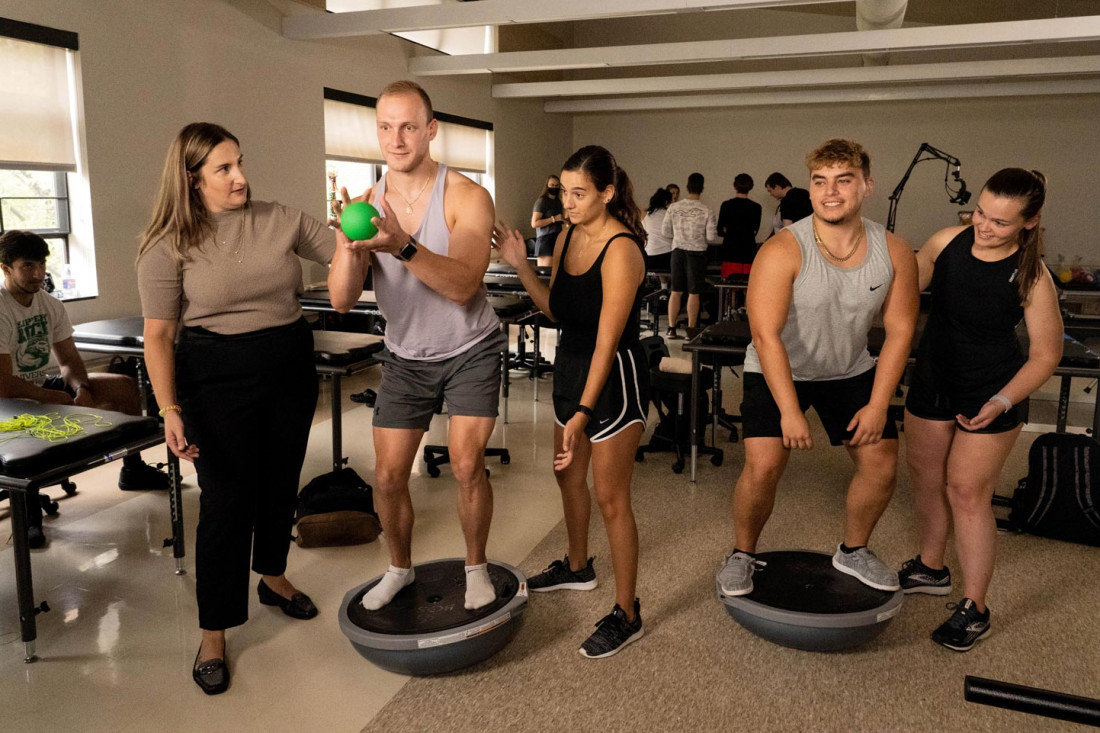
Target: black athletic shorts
(835, 401)
(59, 384)
(623, 401)
(659, 263)
(689, 271)
(544, 245)
(924, 401)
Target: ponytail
(1030, 186)
(599, 165)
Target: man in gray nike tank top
(814, 290)
(443, 339)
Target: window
(37, 201)
(353, 156)
(43, 187)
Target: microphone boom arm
(957, 196)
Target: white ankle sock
(394, 580)
(479, 589)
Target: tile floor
(117, 646)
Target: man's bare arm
(12, 386)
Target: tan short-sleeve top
(246, 279)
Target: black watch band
(586, 410)
(407, 252)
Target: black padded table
(125, 337)
(336, 355)
(339, 354)
(733, 337)
(28, 463)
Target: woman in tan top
(240, 388)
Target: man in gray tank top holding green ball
(814, 290)
(443, 339)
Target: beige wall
(151, 66)
(1057, 135)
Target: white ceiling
(600, 55)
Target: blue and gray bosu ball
(426, 629)
(800, 600)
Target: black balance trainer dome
(426, 629)
(800, 600)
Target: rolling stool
(670, 433)
(532, 361)
(438, 455)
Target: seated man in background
(32, 325)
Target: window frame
(61, 205)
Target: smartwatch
(407, 251)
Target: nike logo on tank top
(420, 323)
(832, 309)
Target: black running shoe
(964, 628)
(613, 632)
(916, 577)
(560, 577)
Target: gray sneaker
(865, 567)
(735, 575)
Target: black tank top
(576, 302)
(969, 345)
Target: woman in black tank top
(968, 399)
(600, 377)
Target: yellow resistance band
(51, 427)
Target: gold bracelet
(170, 408)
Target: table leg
(715, 403)
(694, 411)
(538, 358)
(145, 391)
(175, 506)
(1063, 405)
(24, 589)
(1096, 414)
(505, 381)
(337, 425)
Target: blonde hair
(839, 152)
(405, 86)
(179, 211)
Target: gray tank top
(832, 309)
(420, 323)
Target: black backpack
(1059, 497)
(336, 508)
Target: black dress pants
(248, 402)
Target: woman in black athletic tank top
(600, 377)
(969, 395)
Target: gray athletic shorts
(411, 390)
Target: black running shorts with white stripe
(623, 401)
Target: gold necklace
(409, 204)
(238, 242)
(818, 241)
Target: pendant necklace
(237, 253)
(408, 203)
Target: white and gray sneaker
(735, 575)
(865, 567)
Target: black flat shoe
(212, 676)
(298, 606)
